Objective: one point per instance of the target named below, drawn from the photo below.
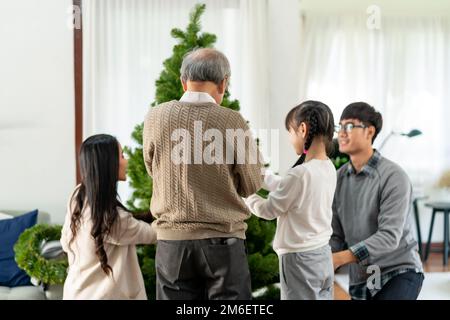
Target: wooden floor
(433, 264)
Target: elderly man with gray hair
(197, 195)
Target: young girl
(99, 235)
(302, 203)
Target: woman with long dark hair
(99, 234)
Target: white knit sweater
(302, 203)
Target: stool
(416, 218)
(437, 207)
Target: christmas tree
(337, 157)
(262, 260)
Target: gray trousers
(307, 275)
(206, 269)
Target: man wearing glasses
(372, 230)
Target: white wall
(285, 56)
(37, 162)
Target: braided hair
(319, 120)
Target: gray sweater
(372, 217)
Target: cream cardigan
(85, 278)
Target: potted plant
(443, 187)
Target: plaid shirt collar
(369, 167)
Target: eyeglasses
(348, 127)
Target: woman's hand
(144, 216)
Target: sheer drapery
(126, 42)
(403, 69)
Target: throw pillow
(10, 230)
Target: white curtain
(254, 62)
(126, 41)
(403, 69)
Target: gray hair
(205, 64)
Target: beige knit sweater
(194, 198)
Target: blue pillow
(10, 230)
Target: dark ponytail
(319, 120)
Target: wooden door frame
(78, 72)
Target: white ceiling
(390, 7)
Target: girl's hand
(271, 180)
